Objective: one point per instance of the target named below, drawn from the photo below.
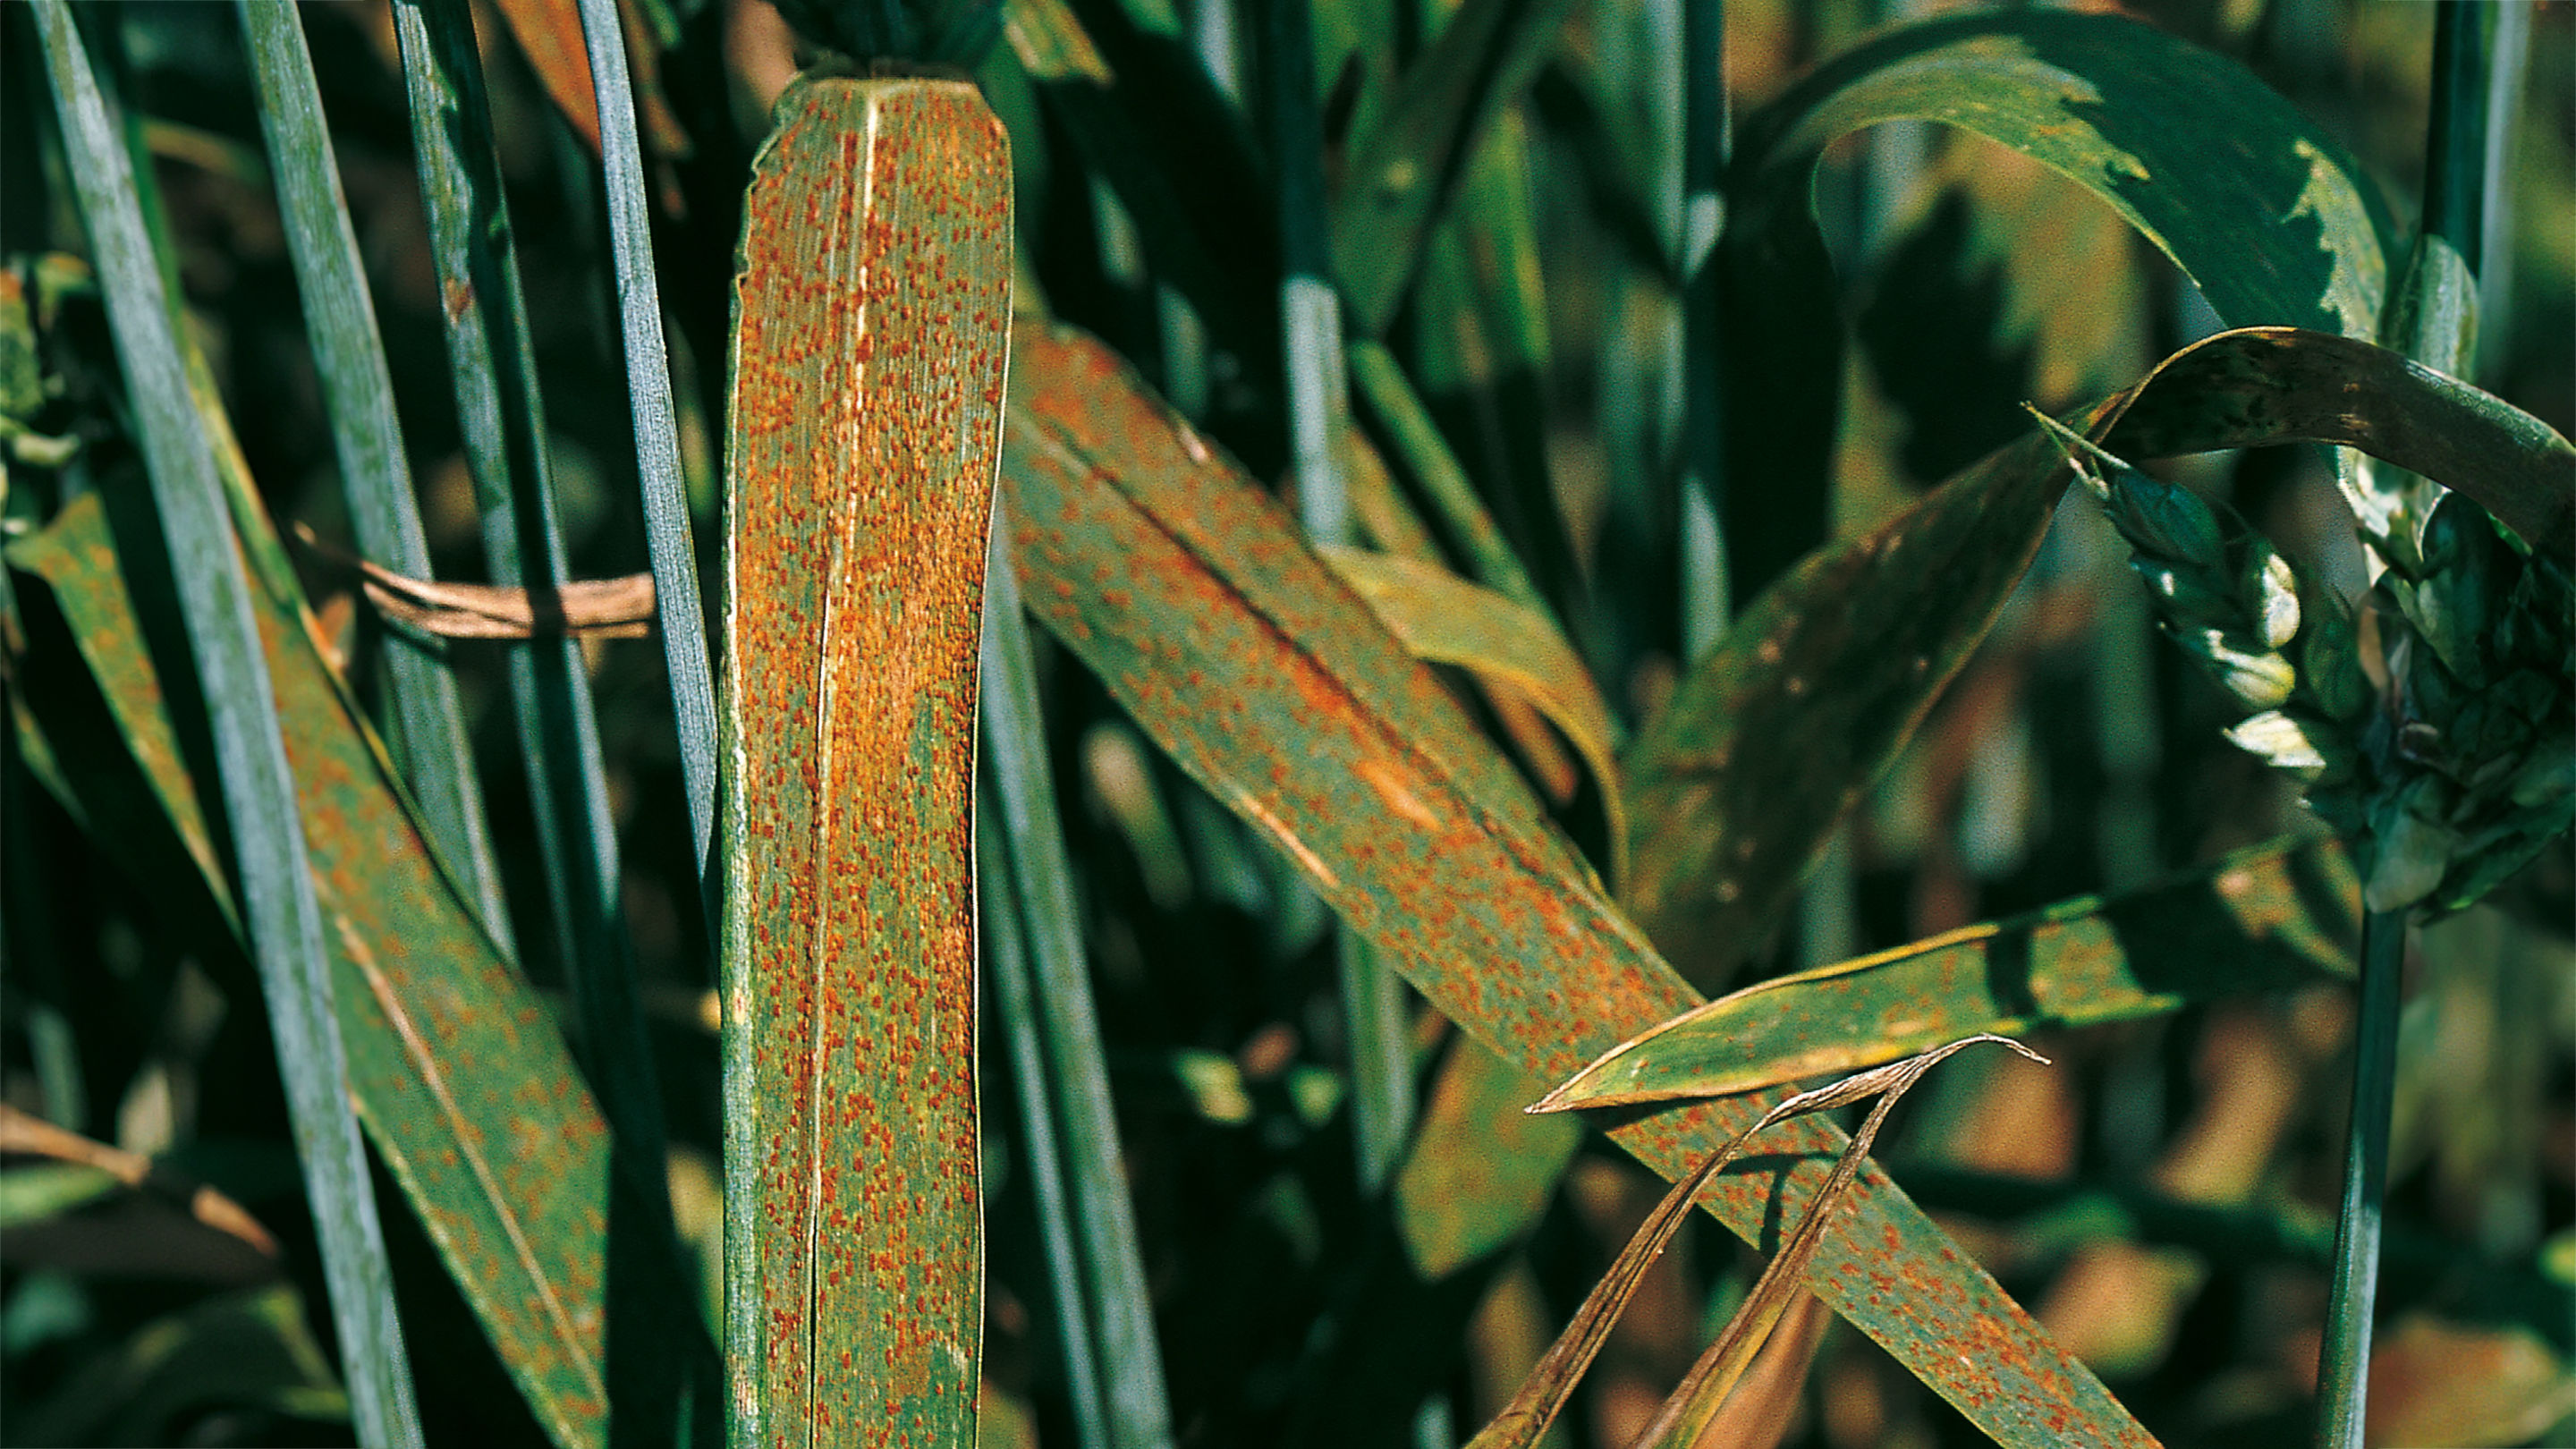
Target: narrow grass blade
(661, 1364)
(349, 357)
(1177, 581)
(285, 920)
(871, 301)
(657, 434)
(1399, 175)
(997, 915)
(1135, 1403)
(494, 368)
(1687, 1413)
(1444, 619)
(2265, 919)
(457, 1070)
(1544, 1393)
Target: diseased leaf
(460, 1076)
(1735, 788)
(2269, 918)
(2264, 385)
(1442, 618)
(1738, 784)
(870, 306)
(1189, 594)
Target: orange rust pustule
(872, 308)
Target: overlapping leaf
(2258, 206)
(2268, 918)
(459, 1074)
(1191, 598)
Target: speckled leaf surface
(460, 1075)
(871, 314)
(1444, 619)
(2265, 919)
(1736, 785)
(1188, 592)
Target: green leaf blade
(2268, 918)
(1323, 721)
(872, 301)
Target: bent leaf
(2258, 205)
(23, 1132)
(874, 287)
(1180, 584)
(459, 1073)
(618, 608)
(2265, 919)
(1443, 618)
(2264, 385)
(1738, 784)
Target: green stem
(2343, 1364)
(1007, 959)
(1706, 601)
(1136, 1404)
